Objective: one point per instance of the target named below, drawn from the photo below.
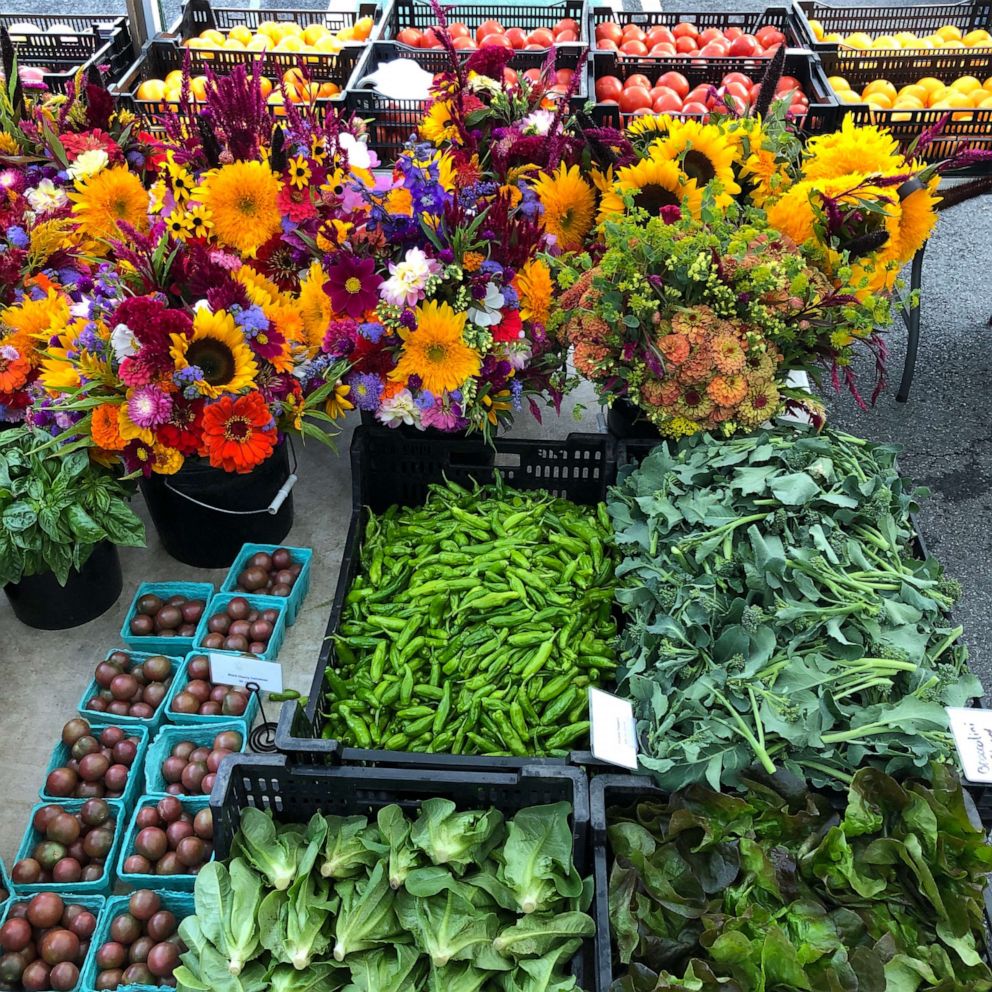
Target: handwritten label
(240, 669)
(972, 731)
(613, 731)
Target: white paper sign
(972, 729)
(240, 669)
(613, 731)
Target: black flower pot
(204, 515)
(39, 601)
(625, 420)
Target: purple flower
(149, 406)
(251, 320)
(446, 255)
(372, 331)
(408, 319)
(425, 400)
(18, 237)
(516, 391)
(366, 390)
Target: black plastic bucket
(625, 420)
(204, 515)
(40, 602)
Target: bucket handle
(273, 507)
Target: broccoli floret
(787, 711)
(736, 663)
(838, 544)
(950, 588)
(777, 522)
(797, 458)
(879, 503)
(752, 618)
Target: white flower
(357, 151)
(399, 409)
(538, 122)
(88, 163)
(408, 279)
(82, 309)
(484, 84)
(124, 343)
(46, 197)
(201, 305)
(518, 354)
(487, 312)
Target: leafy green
(277, 852)
(294, 924)
(347, 847)
(403, 856)
(323, 977)
(453, 838)
(775, 890)
(447, 926)
(777, 612)
(56, 507)
(388, 969)
(367, 917)
(226, 901)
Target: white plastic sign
(240, 669)
(613, 731)
(972, 729)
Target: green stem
(816, 766)
(946, 643)
(745, 731)
(842, 736)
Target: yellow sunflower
(569, 206)
(650, 125)
(30, 321)
(533, 284)
(919, 215)
(242, 199)
(109, 196)
(438, 125)
(261, 290)
(705, 154)
(435, 350)
(851, 149)
(655, 183)
(217, 348)
(315, 307)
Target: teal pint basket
(196, 719)
(300, 556)
(94, 904)
(156, 644)
(101, 886)
(124, 722)
(178, 903)
(137, 880)
(220, 602)
(136, 776)
(6, 886)
(170, 735)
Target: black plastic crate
(391, 123)
(159, 58)
(789, 20)
(419, 14)
(921, 19)
(200, 15)
(102, 40)
(389, 468)
(824, 115)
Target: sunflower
(242, 198)
(569, 206)
(315, 306)
(533, 284)
(705, 154)
(31, 321)
(919, 215)
(435, 351)
(238, 432)
(655, 184)
(217, 349)
(851, 149)
(650, 125)
(106, 198)
(438, 125)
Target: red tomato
(542, 37)
(732, 32)
(642, 112)
(566, 36)
(609, 31)
(409, 36)
(566, 24)
(429, 39)
(694, 107)
(495, 39)
(675, 81)
(637, 79)
(738, 90)
(768, 36)
(787, 83)
(798, 109)
(666, 101)
(634, 98)
(713, 49)
(487, 27)
(534, 75)
(609, 103)
(606, 44)
(746, 46)
(699, 94)
(660, 35)
(563, 76)
(633, 31)
(709, 34)
(608, 88)
(459, 30)
(530, 47)
(634, 47)
(662, 51)
(517, 37)
(463, 43)
(737, 77)
(684, 30)
(685, 44)
(510, 76)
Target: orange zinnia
(14, 371)
(238, 433)
(106, 428)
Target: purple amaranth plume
(8, 59)
(966, 191)
(238, 112)
(865, 244)
(769, 82)
(556, 134)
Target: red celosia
(153, 325)
(95, 140)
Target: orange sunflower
(238, 432)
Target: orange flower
(238, 433)
(675, 348)
(106, 428)
(472, 261)
(14, 371)
(727, 390)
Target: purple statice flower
(89, 338)
(446, 255)
(366, 390)
(372, 331)
(148, 406)
(530, 205)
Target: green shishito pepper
(475, 626)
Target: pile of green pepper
(475, 626)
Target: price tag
(613, 731)
(240, 669)
(972, 729)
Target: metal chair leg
(911, 317)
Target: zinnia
(351, 284)
(238, 433)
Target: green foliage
(776, 890)
(54, 509)
(777, 612)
